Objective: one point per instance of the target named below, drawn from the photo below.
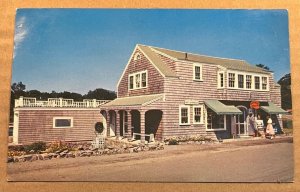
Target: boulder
(10, 159)
(27, 157)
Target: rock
(80, 147)
(16, 159)
(27, 157)
(70, 155)
(62, 154)
(43, 156)
(10, 159)
(34, 157)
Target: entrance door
(241, 122)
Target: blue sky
(78, 50)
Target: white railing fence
(58, 102)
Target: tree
(263, 66)
(101, 94)
(286, 96)
(15, 87)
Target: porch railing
(58, 102)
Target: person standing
(270, 130)
(251, 127)
(260, 126)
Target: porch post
(142, 113)
(117, 124)
(107, 123)
(129, 125)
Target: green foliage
(100, 94)
(286, 96)
(18, 89)
(36, 147)
(263, 66)
(173, 141)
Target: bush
(173, 142)
(36, 147)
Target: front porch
(132, 118)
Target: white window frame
(219, 79)
(134, 80)
(267, 83)
(188, 114)
(201, 114)
(250, 82)
(259, 78)
(56, 118)
(253, 75)
(137, 56)
(234, 80)
(238, 82)
(218, 129)
(194, 67)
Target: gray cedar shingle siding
(182, 87)
(37, 125)
(155, 79)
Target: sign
(254, 104)
(191, 102)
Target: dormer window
(137, 56)
(137, 80)
(197, 76)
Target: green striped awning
(273, 109)
(222, 109)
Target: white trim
(134, 79)
(16, 127)
(136, 56)
(56, 118)
(201, 113)
(56, 109)
(219, 80)
(128, 62)
(245, 84)
(201, 71)
(152, 63)
(218, 129)
(188, 114)
(192, 54)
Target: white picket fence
(58, 102)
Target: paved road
(250, 161)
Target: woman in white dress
(270, 130)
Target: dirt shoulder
(168, 152)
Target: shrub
(173, 142)
(36, 147)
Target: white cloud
(21, 32)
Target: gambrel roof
(233, 64)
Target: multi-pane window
(257, 82)
(264, 83)
(131, 82)
(221, 80)
(184, 115)
(198, 72)
(62, 122)
(248, 81)
(138, 80)
(214, 121)
(197, 114)
(144, 80)
(241, 81)
(231, 79)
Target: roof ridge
(225, 58)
